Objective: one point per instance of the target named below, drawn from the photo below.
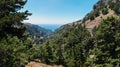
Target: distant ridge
(51, 27)
(37, 33)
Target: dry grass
(91, 24)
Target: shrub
(105, 11)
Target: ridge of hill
(101, 10)
(37, 33)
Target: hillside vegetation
(93, 41)
(74, 45)
(101, 10)
(38, 34)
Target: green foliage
(71, 46)
(37, 33)
(11, 18)
(96, 13)
(107, 42)
(105, 11)
(115, 6)
(74, 46)
(66, 48)
(13, 52)
(92, 15)
(99, 5)
(14, 43)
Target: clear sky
(58, 11)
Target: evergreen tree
(13, 52)
(14, 43)
(105, 11)
(107, 45)
(11, 17)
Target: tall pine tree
(11, 17)
(13, 50)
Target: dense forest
(72, 45)
(75, 47)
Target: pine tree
(107, 45)
(13, 50)
(11, 18)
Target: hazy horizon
(51, 27)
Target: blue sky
(58, 11)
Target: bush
(96, 13)
(115, 7)
(13, 52)
(92, 17)
(105, 11)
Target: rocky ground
(38, 64)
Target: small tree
(105, 11)
(115, 7)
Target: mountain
(90, 42)
(101, 10)
(93, 41)
(52, 27)
(37, 33)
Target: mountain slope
(37, 33)
(73, 45)
(101, 10)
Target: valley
(92, 41)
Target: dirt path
(37, 64)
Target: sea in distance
(51, 27)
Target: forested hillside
(37, 34)
(82, 45)
(93, 41)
